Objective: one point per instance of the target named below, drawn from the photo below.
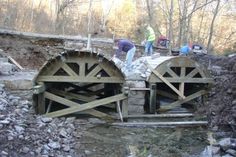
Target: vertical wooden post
(181, 85)
(41, 103)
(89, 42)
(125, 107)
(153, 99)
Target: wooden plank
(80, 79)
(119, 110)
(192, 73)
(179, 102)
(184, 79)
(168, 124)
(68, 70)
(38, 89)
(166, 94)
(153, 98)
(110, 70)
(87, 106)
(161, 115)
(165, 81)
(125, 108)
(60, 100)
(171, 72)
(139, 89)
(70, 95)
(52, 67)
(15, 63)
(41, 103)
(97, 113)
(81, 69)
(71, 103)
(94, 71)
(181, 85)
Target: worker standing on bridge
(127, 46)
(150, 38)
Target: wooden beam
(87, 106)
(80, 79)
(73, 95)
(94, 71)
(179, 102)
(71, 103)
(168, 124)
(181, 85)
(97, 113)
(125, 109)
(167, 94)
(52, 67)
(41, 103)
(60, 100)
(38, 89)
(82, 69)
(171, 72)
(192, 73)
(110, 70)
(165, 81)
(161, 115)
(153, 98)
(15, 63)
(68, 70)
(184, 79)
(139, 89)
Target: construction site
(59, 98)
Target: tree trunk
(212, 25)
(170, 34)
(89, 16)
(149, 11)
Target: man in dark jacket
(127, 46)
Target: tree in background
(208, 22)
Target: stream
(110, 141)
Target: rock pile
(225, 147)
(25, 134)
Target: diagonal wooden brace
(165, 81)
(86, 106)
(179, 102)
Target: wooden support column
(181, 85)
(41, 103)
(125, 107)
(153, 99)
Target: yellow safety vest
(150, 34)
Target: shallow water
(110, 141)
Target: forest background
(211, 23)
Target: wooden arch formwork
(77, 82)
(179, 79)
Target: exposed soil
(29, 53)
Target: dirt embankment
(29, 53)
(221, 104)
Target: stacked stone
(136, 98)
